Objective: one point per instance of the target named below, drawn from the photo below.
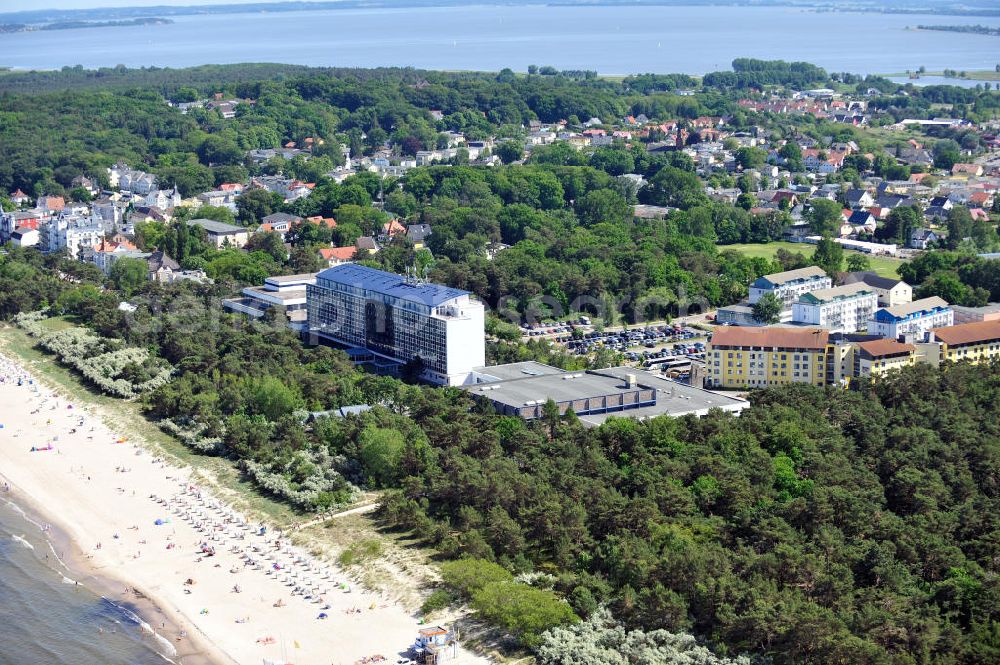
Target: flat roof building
(989, 312)
(220, 233)
(282, 293)
(522, 389)
(401, 320)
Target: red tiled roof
(885, 347)
(798, 338)
(339, 253)
(968, 333)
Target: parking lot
(670, 347)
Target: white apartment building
(71, 233)
(913, 319)
(400, 319)
(791, 284)
(839, 309)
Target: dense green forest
(819, 526)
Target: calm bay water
(610, 40)
(45, 618)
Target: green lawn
(882, 265)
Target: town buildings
(436, 329)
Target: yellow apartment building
(976, 342)
(881, 356)
(759, 357)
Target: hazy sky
(21, 5)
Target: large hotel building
(400, 320)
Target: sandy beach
(226, 589)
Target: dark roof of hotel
(390, 284)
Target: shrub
(604, 641)
(467, 576)
(525, 611)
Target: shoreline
(75, 566)
(130, 517)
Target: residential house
(163, 199)
(334, 256)
(890, 291)
(862, 221)
(218, 198)
(85, 183)
(26, 219)
(279, 222)
(24, 236)
(366, 245)
(221, 234)
(50, 204)
(391, 229)
(19, 198)
(914, 319)
(967, 169)
(106, 252)
(418, 233)
(859, 198)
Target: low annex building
(285, 294)
(522, 389)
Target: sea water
(609, 40)
(48, 619)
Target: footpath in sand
(238, 591)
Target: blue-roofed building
(400, 320)
(913, 319)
